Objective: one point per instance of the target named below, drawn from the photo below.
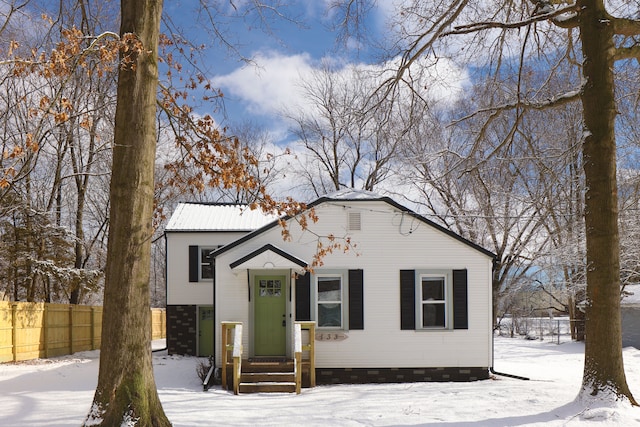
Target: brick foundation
(182, 329)
(398, 375)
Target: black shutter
(356, 303)
(460, 300)
(194, 264)
(303, 297)
(407, 299)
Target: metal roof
(216, 217)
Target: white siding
(179, 290)
(388, 242)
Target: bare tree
(55, 127)
(489, 32)
(346, 143)
(126, 390)
(488, 194)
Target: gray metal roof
(216, 217)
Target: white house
(411, 301)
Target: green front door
(205, 331)
(270, 316)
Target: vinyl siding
(388, 242)
(179, 290)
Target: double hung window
(329, 290)
(205, 263)
(433, 301)
(334, 299)
(200, 263)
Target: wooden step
(258, 366)
(257, 377)
(265, 376)
(268, 387)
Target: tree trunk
(126, 393)
(603, 369)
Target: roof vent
(353, 221)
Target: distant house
(412, 302)
(630, 313)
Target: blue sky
(257, 92)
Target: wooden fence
(41, 330)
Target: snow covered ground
(58, 392)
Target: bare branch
(627, 52)
(8, 14)
(481, 26)
(555, 298)
(626, 27)
(421, 45)
(556, 101)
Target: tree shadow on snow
(570, 412)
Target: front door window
(270, 287)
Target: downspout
(493, 371)
(213, 275)
(213, 370)
(166, 285)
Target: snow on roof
(217, 217)
(353, 194)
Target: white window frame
(446, 302)
(343, 301)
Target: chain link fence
(554, 329)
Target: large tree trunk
(126, 392)
(603, 368)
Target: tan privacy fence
(40, 330)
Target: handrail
(310, 347)
(207, 379)
(227, 329)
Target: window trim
(344, 299)
(448, 299)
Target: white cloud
(268, 87)
(273, 85)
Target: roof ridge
(214, 203)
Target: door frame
(252, 310)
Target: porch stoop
(267, 377)
(273, 376)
